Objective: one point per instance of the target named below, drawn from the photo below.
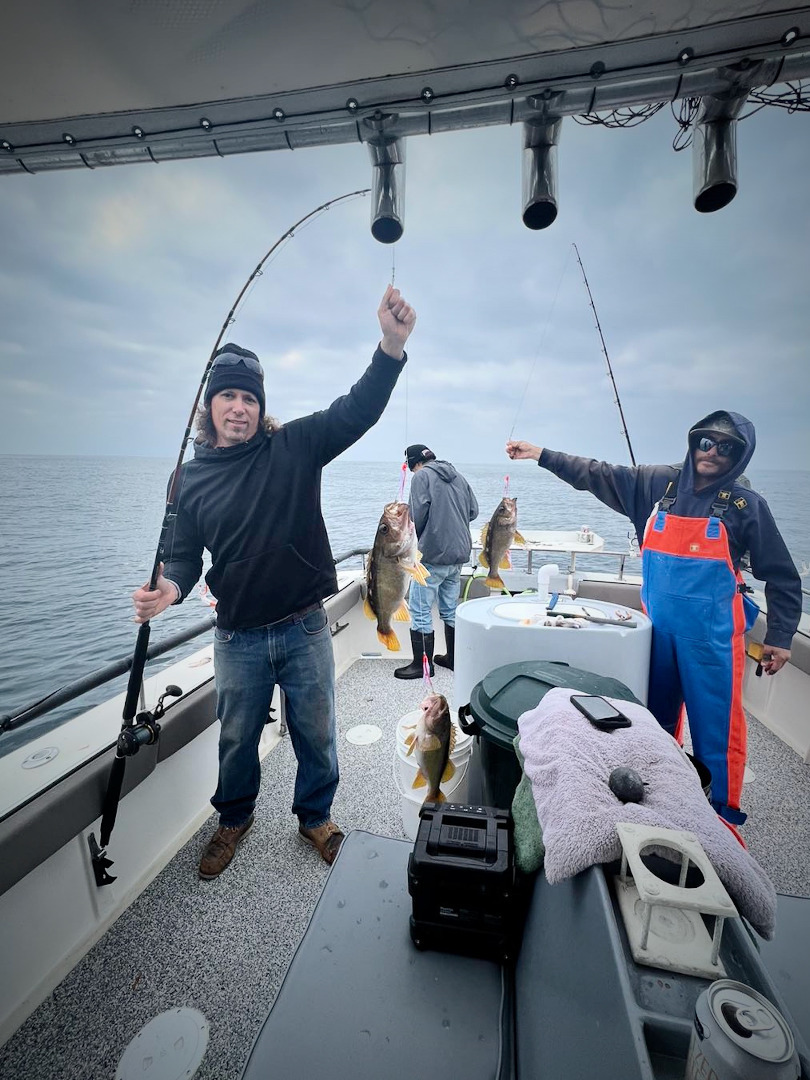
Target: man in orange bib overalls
(696, 522)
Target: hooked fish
(433, 741)
(497, 537)
(393, 561)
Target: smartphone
(600, 712)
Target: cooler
(496, 630)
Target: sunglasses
(231, 360)
(724, 447)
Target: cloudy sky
(115, 284)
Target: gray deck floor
(223, 946)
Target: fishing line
(142, 729)
(616, 400)
(542, 342)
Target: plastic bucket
(406, 768)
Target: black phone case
(604, 724)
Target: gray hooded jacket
(442, 506)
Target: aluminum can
(739, 1035)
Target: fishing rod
(616, 400)
(142, 728)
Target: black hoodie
(257, 508)
(750, 526)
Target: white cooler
(497, 630)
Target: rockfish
(433, 741)
(496, 538)
(393, 561)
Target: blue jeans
(443, 583)
(297, 655)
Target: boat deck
(223, 947)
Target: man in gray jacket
(442, 506)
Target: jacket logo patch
(694, 547)
(740, 503)
(724, 495)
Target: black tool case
(467, 897)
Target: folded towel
(568, 762)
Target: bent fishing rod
(616, 400)
(142, 728)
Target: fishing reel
(146, 729)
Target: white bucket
(406, 768)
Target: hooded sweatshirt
(257, 508)
(442, 506)
(634, 492)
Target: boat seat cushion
(360, 1001)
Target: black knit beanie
(235, 368)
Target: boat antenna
(607, 359)
(141, 728)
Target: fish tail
(494, 581)
(389, 639)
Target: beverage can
(739, 1035)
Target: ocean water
(78, 534)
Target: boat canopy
(91, 83)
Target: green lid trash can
(501, 697)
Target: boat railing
(71, 691)
(95, 679)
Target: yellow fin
(389, 640)
(518, 539)
(484, 532)
(505, 563)
(452, 737)
(419, 781)
(493, 582)
(410, 743)
(449, 772)
(402, 614)
(441, 797)
(482, 560)
(418, 573)
(368, 610)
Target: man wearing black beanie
(251, 497)
(442, 505)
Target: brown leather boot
(326, 839)
(222, 848)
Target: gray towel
(568, 762)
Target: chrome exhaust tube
(714, 153)
(387, 189)
(540, 139)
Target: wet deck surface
(223, 946)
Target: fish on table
(393, 562)
(433, 742)
(497, 537)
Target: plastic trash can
(498, 700)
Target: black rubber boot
(447, 659)
(419, 642)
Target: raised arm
(330, 432)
